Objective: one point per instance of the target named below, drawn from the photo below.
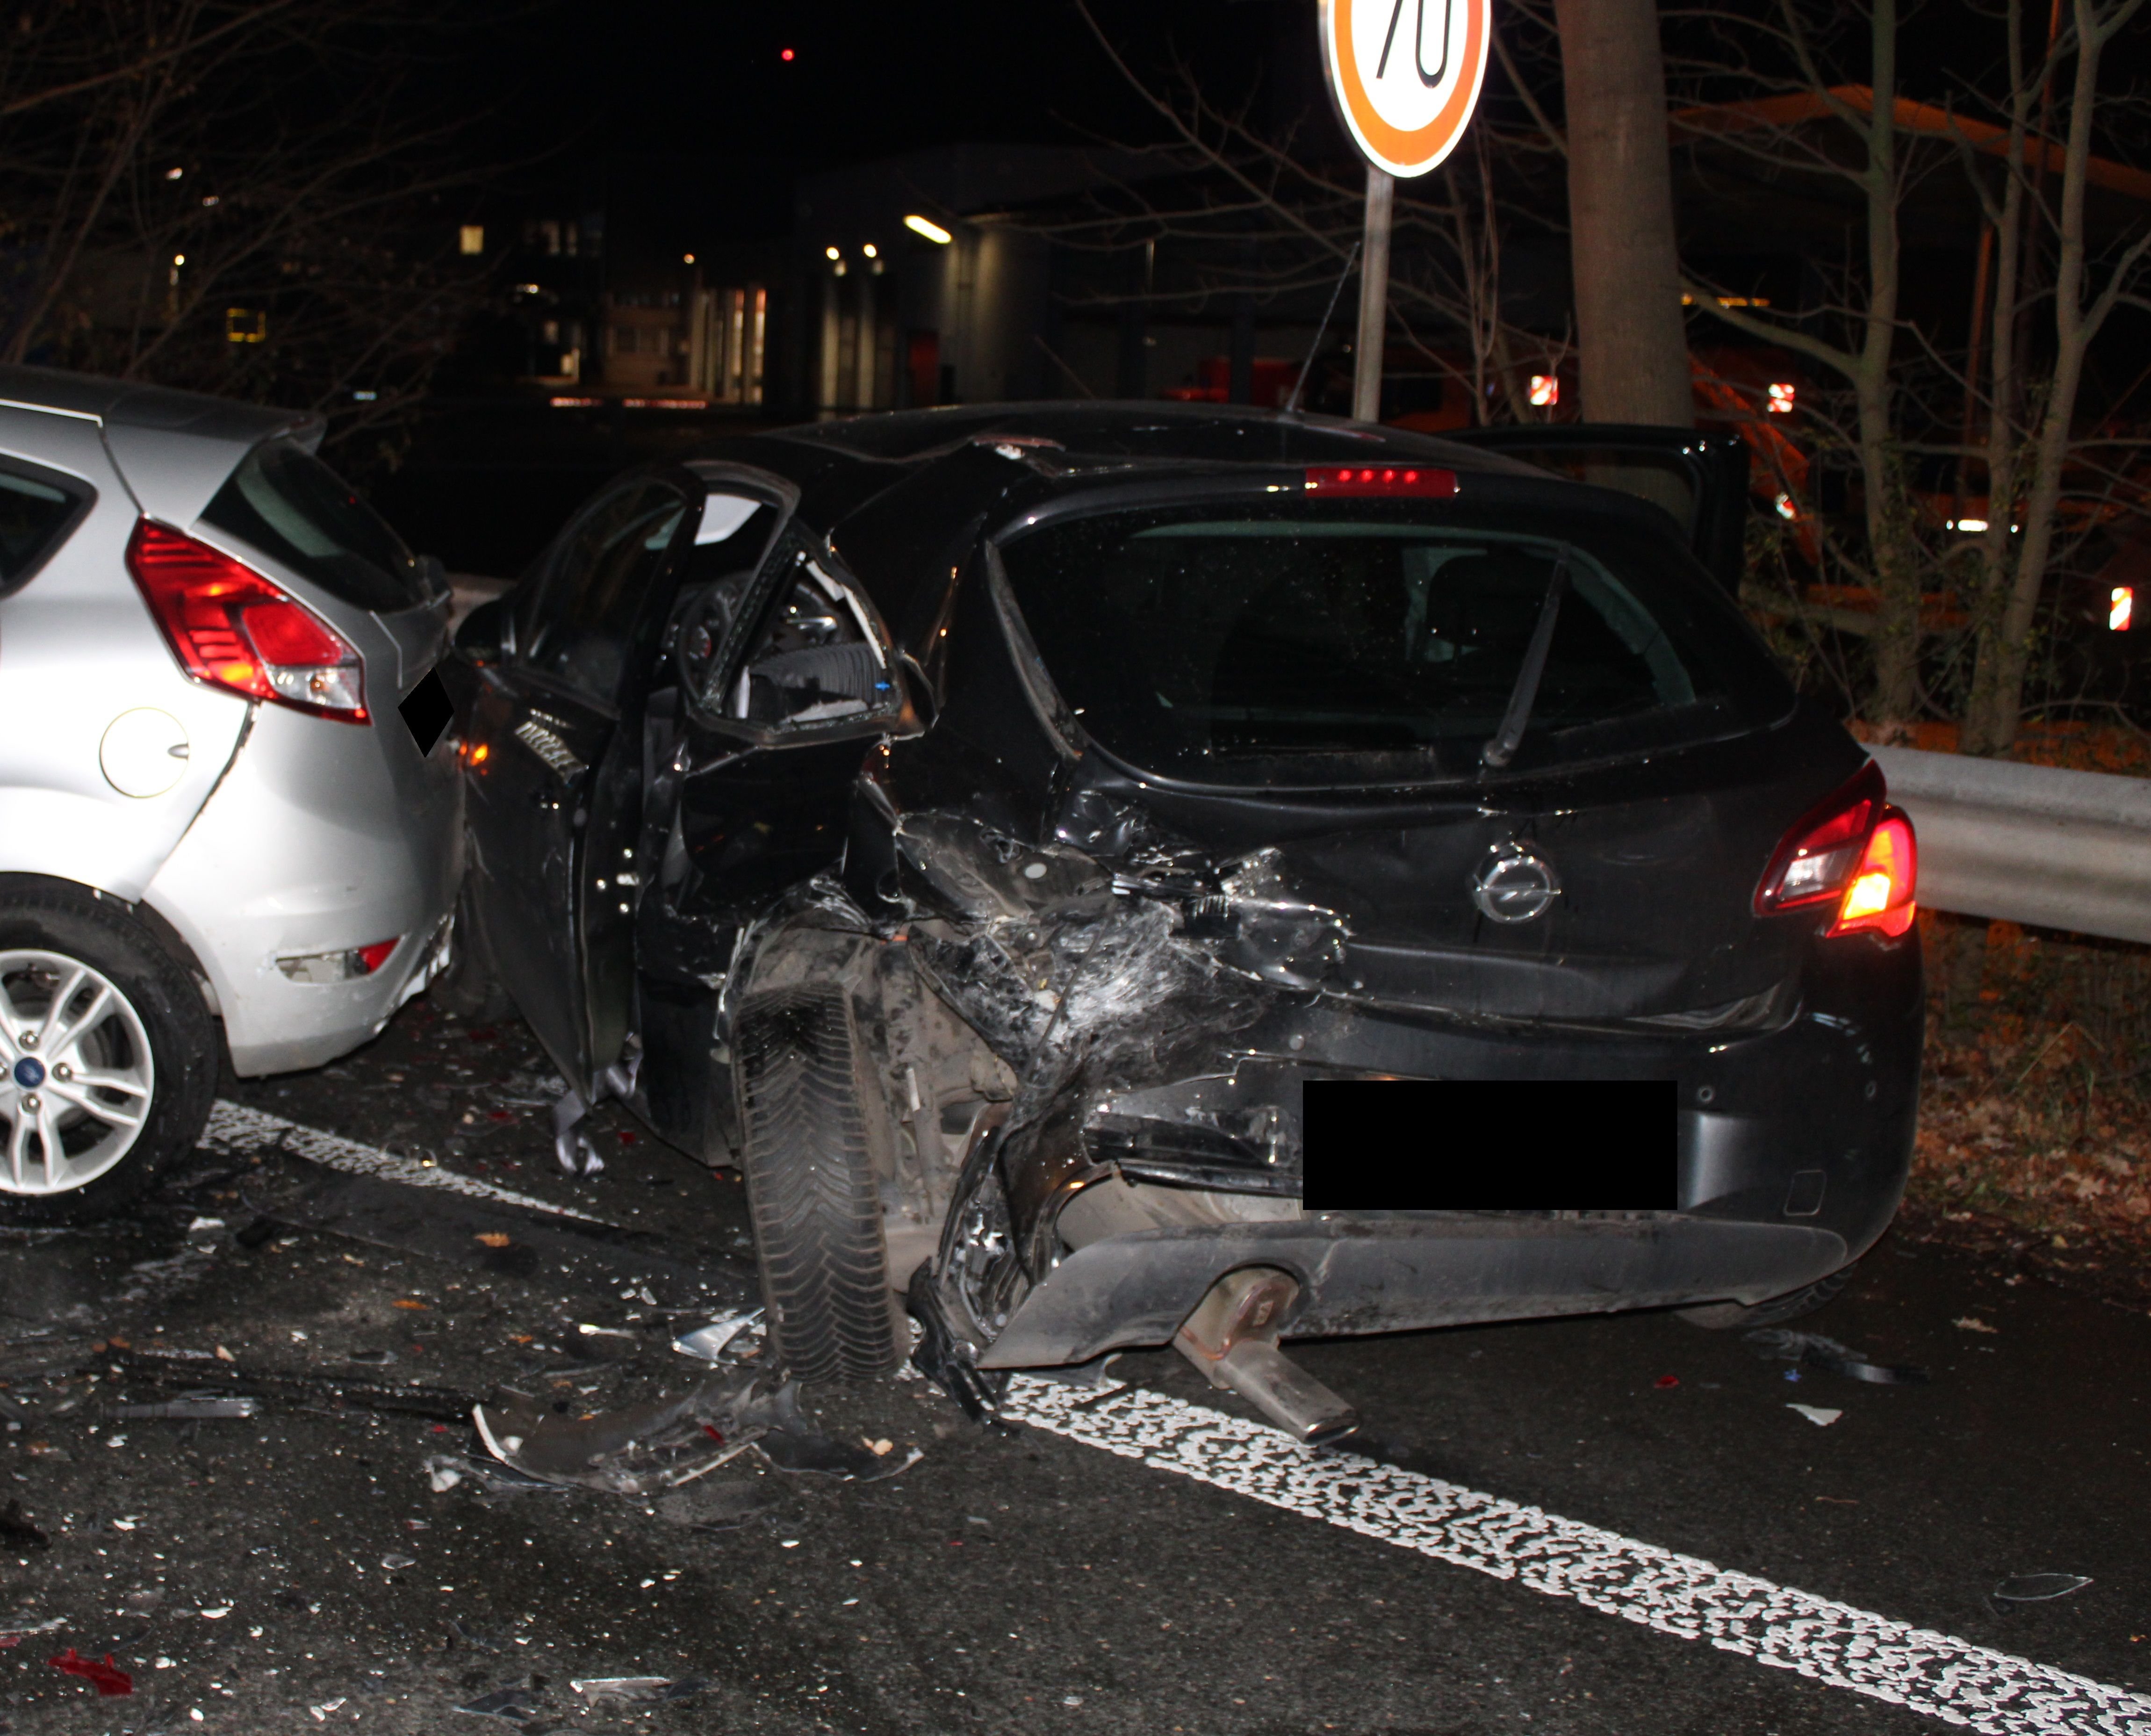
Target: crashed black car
(985, 826)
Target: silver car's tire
(107, 1059)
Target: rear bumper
(1362, 1274)
(323, 837)
(1793, 1145)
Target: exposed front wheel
(810, 1186)
(108, 1060)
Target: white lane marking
(1827, 1642)
(234, 1129)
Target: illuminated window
(471, 238)
(2120, 607)
(1545, 390)
(1781, 399)
(244, 325)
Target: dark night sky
(867, 80)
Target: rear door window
(297, 511)
(36, 513)
(1237, 648)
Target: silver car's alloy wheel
(77, 1077)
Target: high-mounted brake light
(1852, 848)
(1368, 479)
(231, 628)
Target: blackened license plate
(1478, 1145)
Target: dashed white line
(234, 1128)
(1833, 1643)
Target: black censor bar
(1478, 1145)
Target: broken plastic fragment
(639, 1688)
(1821, 1417)
(709, 1341)
(2038, 1587)
(1827, 1353)
(192, 1408)
(1967, 1323)
(106, 1677)
(513, 1703)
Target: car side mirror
(487, 633)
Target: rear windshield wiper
(1497, 753)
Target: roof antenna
(1321, 332)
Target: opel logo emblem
(1515, 886)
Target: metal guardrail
(2028, 843)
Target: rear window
(1346, 641)
(294, 509)
(34, 516)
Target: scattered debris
(1665, 1383)
(372, 1358)
(321, 1712)
(1820, 1416)
(304, 1386)
(639, 1688)
(394, 1563)
(17, 1532)
(1819, 1352)
(513, 1703)
(709, 1341)
(107, 1677)
(1966, 1323)
(638, 1449)
(444, 1471)
(2039, 1588)
(665, 1442)
(192, 1407)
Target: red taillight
(372, 958)
(231, 628)
(1365, 479)
(1853, 849)
(1881, 896)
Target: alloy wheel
(77, 1077)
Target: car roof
(130, 404)
(1124, 433)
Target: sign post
(1405, 75)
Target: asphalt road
(1609, 1525)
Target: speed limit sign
(1406, 75)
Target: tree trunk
(1633, 343)
(1893, 549)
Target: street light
(928, 227)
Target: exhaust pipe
(1232, 1337)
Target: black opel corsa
(992, 828)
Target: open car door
(1700, 479)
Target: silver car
(228, 807)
